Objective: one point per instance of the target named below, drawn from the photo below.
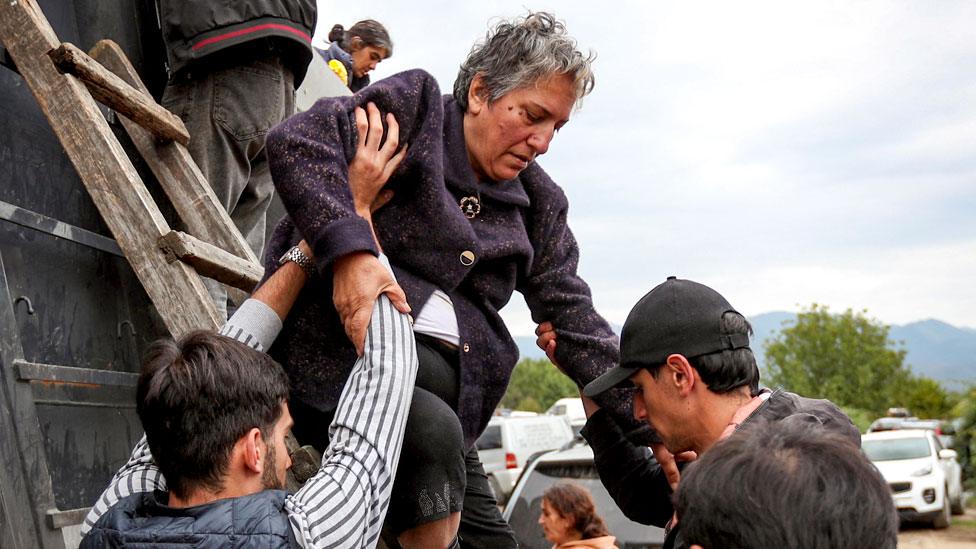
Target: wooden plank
(109, 176)
(115, 93)
(212, 262)
(185, 185)
(59, 519)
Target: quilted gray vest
(140, 520)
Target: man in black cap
(686, 350)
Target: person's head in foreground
(517, 88)
(367, 43)
(215, 414)
(785, 484)
(686, 350)
(568, 515)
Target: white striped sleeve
(344, 504)
(139, 474)
(254, 324)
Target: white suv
(924, 477)
(508, 443)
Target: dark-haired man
(796, 486)
(215, 411)
(686, 350)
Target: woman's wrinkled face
(504, 137)
(555, 527)
(365, 59)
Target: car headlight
(927, 470)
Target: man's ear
(255, 449)
(681, 373)
(477, 94)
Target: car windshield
(525, 515)
(491, 439)
(896, 448)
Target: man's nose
(640, 413)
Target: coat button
(467, 258)
(466, 347)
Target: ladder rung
(115, 93)
(187, 188)
(212, 262)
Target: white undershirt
(438, 319)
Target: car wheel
(942, 521)
(957, 507)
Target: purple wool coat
(519, 241)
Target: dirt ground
(960, 534)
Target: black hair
(368, 31)
(727, 370)
(197, 397)
(785, 484)
(574, 502)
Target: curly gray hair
(518, 53)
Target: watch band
(296, 256)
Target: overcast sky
(783, 153)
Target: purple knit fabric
(520, 241)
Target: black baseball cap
(677, 317)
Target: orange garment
(602, 542)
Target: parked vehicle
(945, 430)
(574, 464)
(886, 424)
(571, 410)
(924, 476)
(508, 443)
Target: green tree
(926, 398)
(849, 359)
(536, 385)
(966, 435)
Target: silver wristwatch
(295, 254)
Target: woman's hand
(358, 279)
(546, 340)
(373, 164)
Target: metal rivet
(467, 258)
(466, 347)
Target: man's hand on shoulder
(358, 279)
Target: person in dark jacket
(233, 70)
(793, 485)
(472, 218)
(686, 350)
(354, 53)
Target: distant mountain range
(936, 349)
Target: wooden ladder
(66, 83)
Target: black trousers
(437, 475)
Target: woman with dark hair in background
(355, 52)
(569, 519)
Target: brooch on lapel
(470, 206)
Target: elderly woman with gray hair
(451, 189)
